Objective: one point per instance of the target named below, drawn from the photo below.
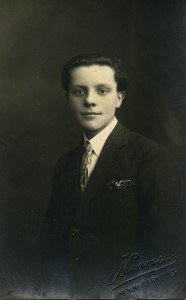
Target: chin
(90, 128)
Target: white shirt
(97, 143)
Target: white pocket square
(120, 184)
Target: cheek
(74, 105)
(110, 106)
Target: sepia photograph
(92, 149)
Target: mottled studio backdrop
(36, 39)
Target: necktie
(85, 166)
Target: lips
(90, 114)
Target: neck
(91, 133)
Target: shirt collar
(98, 141)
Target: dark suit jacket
(93, 232)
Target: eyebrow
(104, 85)
(78, 85)
(97, 85)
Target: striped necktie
(85, 166)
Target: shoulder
(150, 157)
(150, 150)
(123, 136)
(142, 147)
(64, 158)
(68, 159)
(158, 170)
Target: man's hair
(89, 59)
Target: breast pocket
(120, 185)
(118, 199)
(117, 209)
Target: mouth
(90, 114)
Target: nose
(90, 100)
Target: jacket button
(75, 259)
(74, 232)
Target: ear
(121, 97)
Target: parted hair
(95, 59)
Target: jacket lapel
(106, 163)
(73, 181)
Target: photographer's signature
(130, 265)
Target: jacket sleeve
(160, 190)
(50, 237)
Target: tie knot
(88, 148)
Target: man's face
(93, 97)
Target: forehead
(94, 74)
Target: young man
(116, 194)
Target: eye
(102, 91)
(78, 92)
